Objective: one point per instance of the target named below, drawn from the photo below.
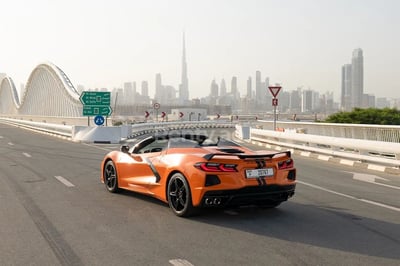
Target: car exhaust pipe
(217, 201)
(209, 201)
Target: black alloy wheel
(110, 177)
(179, 196)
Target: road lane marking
(305, 153)
(27, 155)
(351, 197)
(375, 167)
(1, 137)
(324, 157)
(180, 262)
(372, 180)
(347, 162)
(11, 144)
(64, 181)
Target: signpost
(99, 120)
(274, 91)
(156, 106)
(96, 103)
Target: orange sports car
(191, 171)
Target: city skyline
(295, 43)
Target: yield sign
(274, 90)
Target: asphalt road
(55, 211)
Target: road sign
(274, 90)
(275, 102)
(99, 120)
(180, 114)
(95, 98)
(146, 114)
(156, 106)
(93, 110)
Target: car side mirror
(125, 148)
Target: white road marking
(376, 167)
(1, 137)
(371, 179)
(351, 197)
(180, 262)
(64, 181)
(347, 162)
(305, 153)
(11, 144)
(27, 155)
(324, 157)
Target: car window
(155, 146)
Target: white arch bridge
(48, 92)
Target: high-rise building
(357, 77)
(223, 88)
(249, 89)
(346, 96)
(158, 94)
(145, 88)
(214, 89)
(352, 92)
(234, 88)
(259, 90)
(184, 86)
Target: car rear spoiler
(246, 156)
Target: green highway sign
(93, 110)
(95, 98)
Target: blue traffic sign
(99, 120)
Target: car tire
(110, 177)
(179, 196)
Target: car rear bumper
(254, 195)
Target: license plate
(255, 173)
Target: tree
(386, 116)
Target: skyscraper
(184, 86)
(346, 96)
(353, 82)
(223, 88)
(249, 89)
(357, 77)
(158, 87)
(234, 89)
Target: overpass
(48, 92)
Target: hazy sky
(104, 43)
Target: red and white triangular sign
(274, 90)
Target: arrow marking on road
(372, 179)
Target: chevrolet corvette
(191, 171)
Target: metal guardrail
(386, 153)
(386, 133)
(146, 128)
(62, 130)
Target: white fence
(387, 153)
(352, 131)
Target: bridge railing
(62, 130)
(386, 133)
(145, 128)
(380, 152)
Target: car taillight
(216, 167)
(285, 164)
